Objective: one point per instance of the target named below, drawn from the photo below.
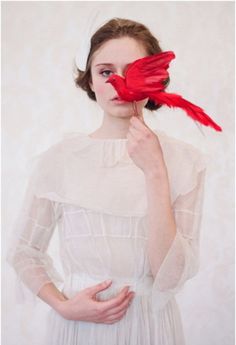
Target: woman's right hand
(85, 307)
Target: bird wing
(149, 73)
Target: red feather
(145, 78)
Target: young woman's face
(118, 53)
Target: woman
(127, 201)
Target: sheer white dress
(91, 191)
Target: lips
(116, 98)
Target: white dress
(93, 193)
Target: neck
(112, 127)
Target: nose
(121, 74)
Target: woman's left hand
(144, 147)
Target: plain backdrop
(41, 104)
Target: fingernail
(108, 281)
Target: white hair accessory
(82, 54)
(92, 25)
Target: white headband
(92, 25)
(82, 54)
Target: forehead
(119, 51)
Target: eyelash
(107, 70)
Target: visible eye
(105, 72)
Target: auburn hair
(117, 28)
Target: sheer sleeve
(182, 260)
(27, 253)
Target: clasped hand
(85, 306)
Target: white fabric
(96, 195)
(95, 20)
(84, 48)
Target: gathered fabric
(93, 194)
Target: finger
(123, 306)
(116, 317)
(135, 132)
(114, 301)
(140, 117)
(138, 123)
(98, 287)
(136, 112)
(142, 120)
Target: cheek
(100, 88)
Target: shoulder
(53, 155)
(184, 162)
(62, 146)
(177, 151)
(174, 143)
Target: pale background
(41, 104)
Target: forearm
(161, 221)
(51, 295)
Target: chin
(121, 111)
(124, 113)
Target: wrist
(59, 302)
(157, 172)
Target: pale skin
(144, 148)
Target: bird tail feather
(192, 110)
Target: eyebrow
(108, 64)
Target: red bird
(145, 78)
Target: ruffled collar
(99, 174)
(102, 152)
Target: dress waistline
(78, 281)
